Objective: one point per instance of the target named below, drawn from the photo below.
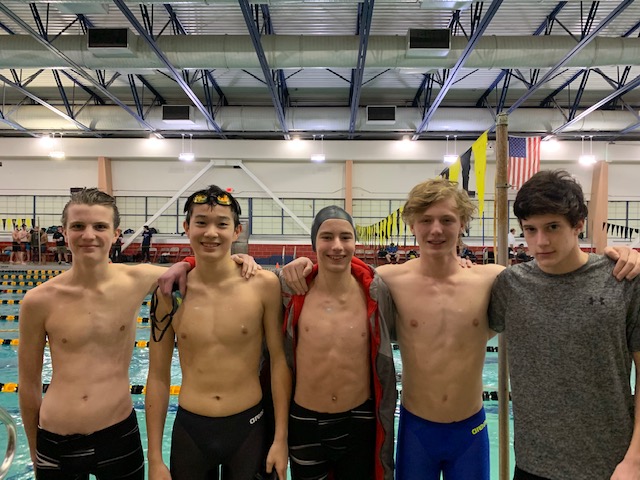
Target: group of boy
(340, 316)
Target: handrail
(12, 438)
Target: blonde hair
(425, 194)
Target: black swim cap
(328, 213)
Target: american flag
(524, 159)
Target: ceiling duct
(445, 4)
(428, 42)
(381, 115)
(111, 42)
(178, 114)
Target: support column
(105, 183)
(598, 206)
(348, 186)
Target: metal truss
(365, 14)
(473, 40)
(254, 33)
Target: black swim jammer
(339, 443)
(201, 445)
(112, 453)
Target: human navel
(334, 398)
(445, 397)
(64, 340)
(244, 330)
(85, 397)
(122, 327)
(217, 397)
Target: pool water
(21, 468)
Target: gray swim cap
(328, 213)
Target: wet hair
(212, 194)
(551, 192)
(425, 194)
(92, 196)
(328, 213)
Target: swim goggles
(160, 327)
(201, 198)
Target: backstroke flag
(524, 159)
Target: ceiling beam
(365, 14)
(266, 70)
(163, 58)
(493, 9)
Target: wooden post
(502, 205)
(105, 183)
(598, 210)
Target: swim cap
(328, 213)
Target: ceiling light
(187, 156)
(451, 157)
(56, 152)
(587, 159)
(318, 157)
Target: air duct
(324, 119)
(321, 51)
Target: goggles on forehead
(220, 199)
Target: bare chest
(212, 319)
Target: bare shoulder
(390, 271)
(142, 271)
(489, 271)
(266, 278)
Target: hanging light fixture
(57, 153)
(187, 156)
(318, 157)
(587, 159)
(451, 158)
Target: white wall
(382, 169)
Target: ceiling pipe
(325, 119)
(319, 51)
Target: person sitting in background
(392, 253)
(521, 254)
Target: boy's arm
(629, 467)
(628, 262)
(30, 352)
(177, 273)
(295, 273)
(157, 399)
(280, 375)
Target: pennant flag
(479, 149)
(465, 164)
(454, 170)
(524, 160)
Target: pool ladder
(11, 442)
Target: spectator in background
(61, 246)
(146, 244)
(44, 239)
(25, 246)
(392, 253)
(116, 253)
(16, 253)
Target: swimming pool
(21, 468)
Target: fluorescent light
(56, 154)
(449, 158)
(318, 157)
(187, 157)
(587, 160)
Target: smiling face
(438, 228)
(211, 230)
(553, 242)
(335, 245)
(90, 232)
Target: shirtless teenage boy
(220, 329)
(85, 423)
(341, 420)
